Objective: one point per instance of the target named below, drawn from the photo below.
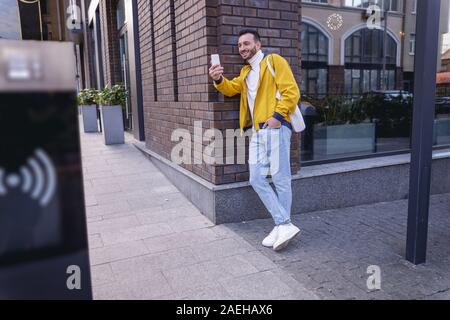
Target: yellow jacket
(266, 105)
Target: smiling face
(248, 46)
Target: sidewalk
(148, 242)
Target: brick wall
(163, 35)
(399, 78)
(175, 46)
(110, 44)
(336, 79)
(145, 34)
(277, 22)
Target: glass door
(122, 15)
(125, 77)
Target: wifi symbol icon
(36, 178)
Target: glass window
(366, 46)
(121, 14)
(316, 1)
(363, 110)
(412, 43)
(393, 5)
(314, 82)
(441, 132)
(314, 44)
(364, 56)
(314, 61)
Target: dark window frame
(363, 51)
(314, 59)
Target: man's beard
(252, 54)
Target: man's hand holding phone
(216, 70)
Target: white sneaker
(269, 241)
(286, 232)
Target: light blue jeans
(269, 152)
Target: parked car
(443, 101)
(392, 94)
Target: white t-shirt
(252, 79)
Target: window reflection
(314, 61)
(357, 83)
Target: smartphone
(215, 59)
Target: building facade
(161, 49)
(45, 20)
(349, 55)
(10, 27)
(177, 39)
(42, 20)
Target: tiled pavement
(148, 242)
(337, 246)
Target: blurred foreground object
(43, 236)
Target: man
(270, 120)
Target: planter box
(89, 113)
(342, 139)
(441, 132)
(112, 120)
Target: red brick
(232, 20)
(279, 5)
(271, 14)
(280, 24)
(197, 37)
(256, 22)
(243, 11)
(257, 3)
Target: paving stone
(159, 214)
(106, 188)
(184, 256)
(135, 233)
(218, 249)
(193, 276)
(134, 290)
(90, 200)
(125, 195)
(181, 240)
(237, 265)
(107, 209)
(117, 252)
(260, 261)
(95, 241)
(209, 292)
(114, 225)
(143, 266)
(262, 285)
(190, 223)
(102, 274)
(99, 174)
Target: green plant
(333, 110)
(116, 95)
(393, 115)
(87, 97)
(356, 112)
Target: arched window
(314, 45)
(364, 61)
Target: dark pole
(386, 5)
(427, 35)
